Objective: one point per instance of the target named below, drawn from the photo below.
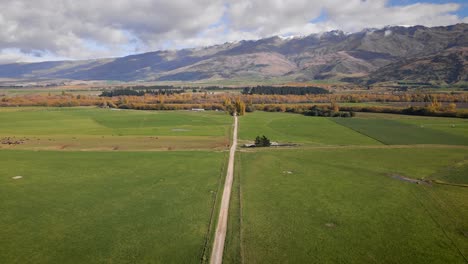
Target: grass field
(285, 127)
(397, 129)
(342, 195)
(105, 129)
(106, 207)
(342, 206)
(454, 174)
(97, 204)
(350, 201)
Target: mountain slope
(331, 55)
(450, 66)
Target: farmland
(102, 185)
(409, 130)
(89, 185)
(351, 203)
(300, 129)
(116, 207)
(105, 129)
(329, 206)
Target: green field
(352, 203)
(294, 128)
(105, 186)
(106, 207)
(88, 194)
(342, 206)
(397, 129)
(454, 174)
(106, 129)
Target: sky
(43, 30)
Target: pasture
(102, 185)
(295, 128)
(344, 206)
(80, 185)
(106, 129)
(398, 129)
(353, 198)
(106, 207)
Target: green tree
(262, 141)
(258, 141)
(266, 142)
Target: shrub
(262, 141)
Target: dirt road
(220, 235)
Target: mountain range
(417, 53)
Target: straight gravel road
(220, 235)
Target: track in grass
(220, 233)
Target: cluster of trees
(349, 111)
(412, 110)
(362, 97)
(159, 89)
(262, 141)
(253, 99)
(284, 90)
(143, 106)
(332, 111)
(153, 87)
(64, 100)
(121, 92)
(135, 92)
(237, 107)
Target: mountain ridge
(366, 56)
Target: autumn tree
(452, 107)
(240, 107)
(434, 104)
(334, 106)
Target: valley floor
(99, 185)
(342, 198)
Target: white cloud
(347, 15)
(95, 28)
(357, 15)
(67, 27)
(15, 55)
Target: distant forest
(284, 90)
(142, 90)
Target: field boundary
(207, 247)
(334, 147)
(439, 225)
(213, 220)
(358, 132)
(450, 184)
(241, 245)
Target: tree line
(431, 104)
(135, 92)
(284, 90)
